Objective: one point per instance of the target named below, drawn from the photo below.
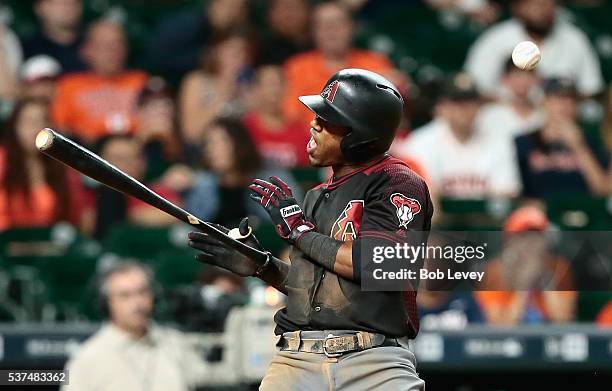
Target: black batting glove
(277, 199)
(217, 253)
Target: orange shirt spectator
(307, 72)
(604, 318)
(527, 283)
(333, 33)
(536, 305)
(93, 106)
(100, 101)
(40, 208)
(35, 190)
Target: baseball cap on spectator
(559, 86)
(459, 86)
(526, 218)
(40, 67)
(155, 88)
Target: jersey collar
(333, 182)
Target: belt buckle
(327, 353)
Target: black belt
(333, 343)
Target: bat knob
(44, 139)
(234, 233)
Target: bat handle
(258, 256)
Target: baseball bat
(83, 160)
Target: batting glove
(217, 253)
(277, 199)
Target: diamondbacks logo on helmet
(406, 207)
(329, 92)
(346, 227)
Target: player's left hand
(277, 199)
(216, 253)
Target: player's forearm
(334, 255)
(275, 274)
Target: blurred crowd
(214, 103)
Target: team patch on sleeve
(406, 208)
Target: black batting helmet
(366, 103)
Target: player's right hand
(277, 199)
(217, 253)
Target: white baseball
(526, 55)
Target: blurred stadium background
(195, 97)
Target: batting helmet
(366, 103)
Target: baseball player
(334, 335)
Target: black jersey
(367, 203)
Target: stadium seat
(144, 243)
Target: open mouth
(312, 144)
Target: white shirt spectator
(566, 52)
(162, 360)
(11, 57)
(11, 48)
(483, 166)
(501, 120)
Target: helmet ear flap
(345, 146)
(355, 150)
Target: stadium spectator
(35, 191)
(110, 207)
(333, 33)
(178, 42)
(551, 159)
(130, 351)
(288, 31)
(604, 317)
(39, 75)
(218, 88)
(444, 310)
(597, 177)
(100, 101)
(518, 110)
(527, 283)
(60, 34)
(10, 61)
(483, 12)
(157, 127)
(230, 159)
(461, 160)
(280, 141)
(606, 124)
(567, 50)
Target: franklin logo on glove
(290, 210)
(285, 212)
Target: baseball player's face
(324, 145)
